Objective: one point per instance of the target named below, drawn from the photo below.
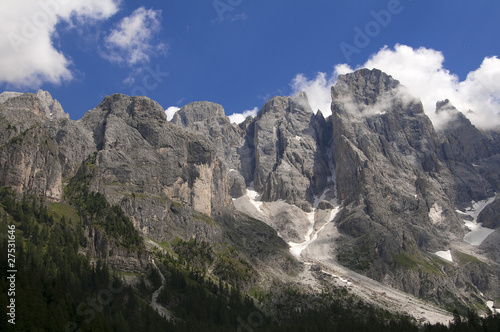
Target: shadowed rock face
(470, 155)
(384, 151)
(290, 152)
(209, 120)
(490, 216)
(398, 187)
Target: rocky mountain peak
(8, 94)
(290, 156)
(142, 151)
(41, 103)
(130, 107)
(364, 85)
(452, 117)
(24, 106)
(209, 120)
(139, 113)
(445, 105)
(198, 112)
(279, 106)
(51, 107)
(464, 144)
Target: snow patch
(491, 305)
(445, 255)
(345, 281)
(254, 198)
(298, 138)
(297, 248)
(477, 233)
(330, 274)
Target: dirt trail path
(154, 300)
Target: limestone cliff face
(290, 158)
(141, 152)
(99, 247)
(31, 156)
(209, 120)
(399, 189)
(29, 164)
(282, 152)
(385, 155)
(470, 155)
(41, 103)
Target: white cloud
(422, 72)
(27, 53)
(240, 117)
(171, 111)
(132, 41)
(318, 89)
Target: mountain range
(371, 197)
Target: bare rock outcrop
(398, 190)
(291, 160)
(469, 154)
(145, 163)
(209, 120)
(117, 258)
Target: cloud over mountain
(422, 72)
(171, 111)
(240, 117)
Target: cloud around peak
(318, 88)
(169, 112)
(422, 72)
(240, 117)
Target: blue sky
(238, 53)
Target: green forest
(58, 288)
